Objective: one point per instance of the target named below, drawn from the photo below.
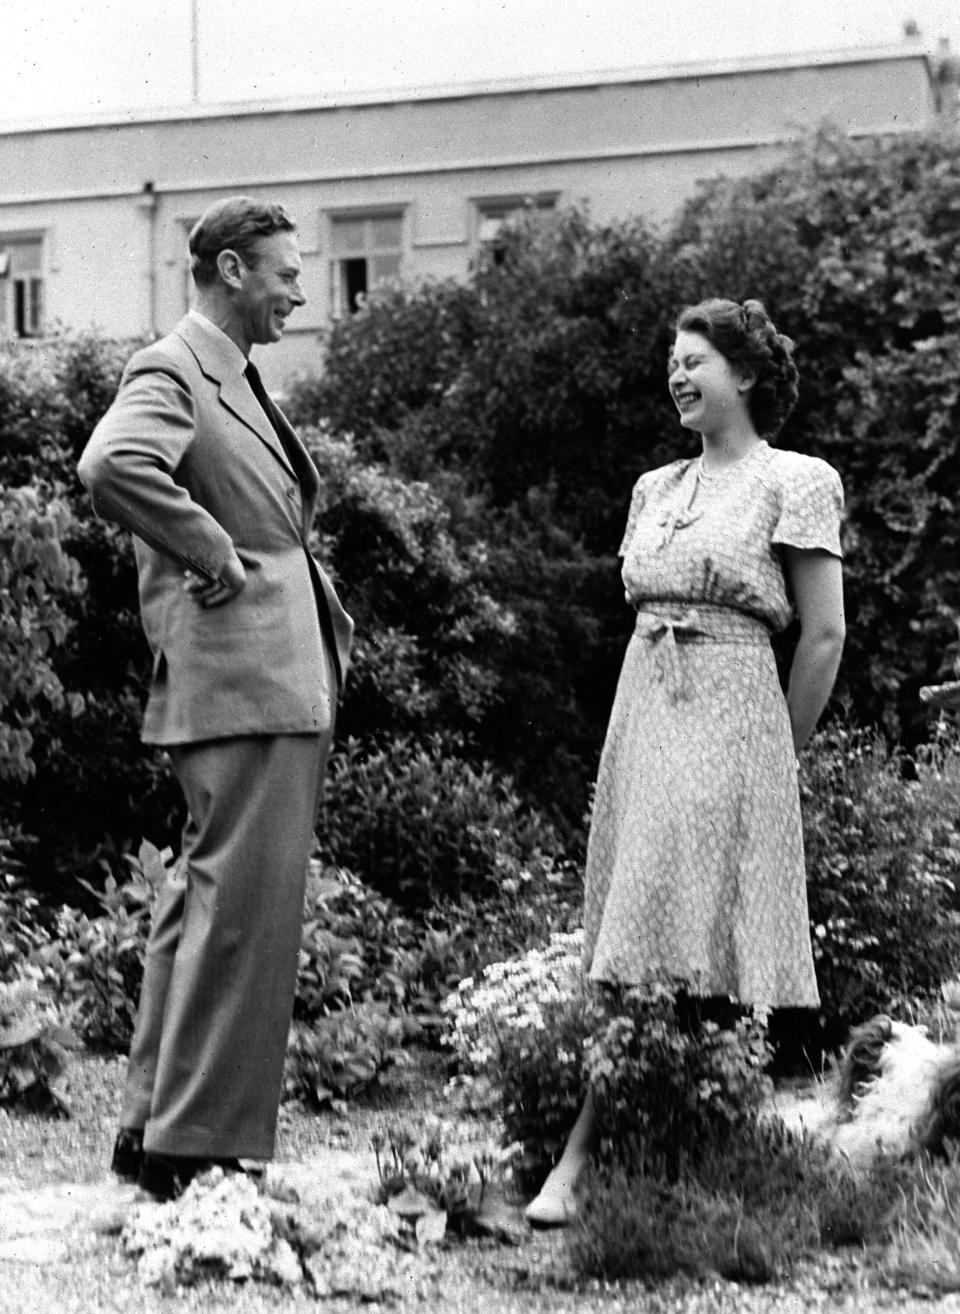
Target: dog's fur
(889, 1092)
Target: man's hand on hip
(215, 592)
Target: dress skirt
(695, 869)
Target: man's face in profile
(271, 288)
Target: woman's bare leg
(556, 1203)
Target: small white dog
(893, 1092)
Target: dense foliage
(544, 385)
(424, 824)
(477, 443)
(91, 787)
(539, 380)
(533, 1031)
(752, 1206)
(37, 578)
(882, 840)
(517, 1031)
(854, 246)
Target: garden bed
(94, 1274)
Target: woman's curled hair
(745, 335)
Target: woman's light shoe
(553, 1207)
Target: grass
(465, 1278)
(754, 1205)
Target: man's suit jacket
(188, 461)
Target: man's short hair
(235, 224)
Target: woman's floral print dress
(695, 861)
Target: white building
(94, 215)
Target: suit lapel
(217, 363)
(297, 456)
(235, 394)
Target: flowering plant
(670, 1082)
(538, 1035)
(435, 1190)
(521, 1027)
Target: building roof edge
(141, 117)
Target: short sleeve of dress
(811, 507)
(636, 506)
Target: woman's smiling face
(709, 391)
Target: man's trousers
(206, 1062)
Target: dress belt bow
(661, 632)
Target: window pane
(353, 275)
(348, 235)
(35, 312)
(19, 308)
(25, 257)
(385, 232)
(385, 266)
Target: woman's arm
(816, 582)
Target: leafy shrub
(523, 914)
(899, 412)
(521, 1027)
(370, 979)
(853, 246)
(671, 1081)
(529, 413)
(90, 786)
(36, 576)
(332, 946)
(537, 373)
(34, 1045)
(497, 427)
(429, 630)
(397, 355)
(31, 413)
(21, 930)
(357, 946)
(337, 1057)
(51, 396)
(98, 961)
(97, 787)
(882, 838)
(660, 1074)
(419, 822)
(542, 384)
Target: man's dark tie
(252, 375)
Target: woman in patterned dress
(695, 859)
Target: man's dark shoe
(167, 1176)
(127, 1157)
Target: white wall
(115, 254)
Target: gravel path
(61, 1215)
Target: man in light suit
(250, 647)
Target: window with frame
(21, 287)
(493, 213)
(366, 250)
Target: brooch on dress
(670, 521)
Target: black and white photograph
(480, 656)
